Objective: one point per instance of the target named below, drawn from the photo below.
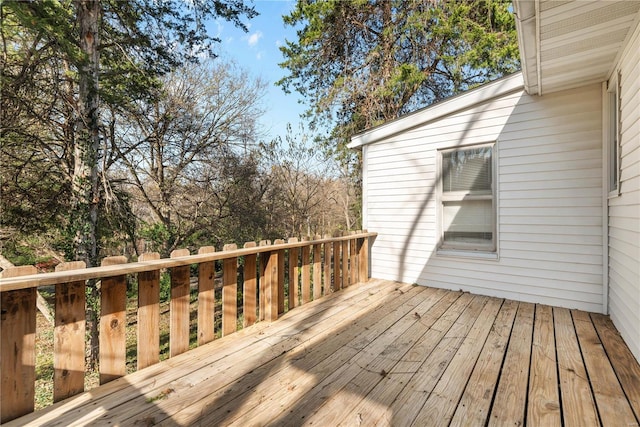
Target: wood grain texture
(612, 404)
(249, 288)
(294, 273)
(337, 265)
(206, 298)
(113, 321)
(578, 405)
(317, 271)
(543, 404)
(179, 306)
(510, 399)
(328, 282)
(306, 274)
(345, 263)
(69, 335)
(17, 344)
(148, 314)
(229, 294)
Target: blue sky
(257, 51)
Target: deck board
(383, 353)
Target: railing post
(69, 335)
(179, 306)
(206, 298)
(363, 260)
(317, 269)
(280, 277)
(294, 293)
(17, 348)
(229, 292)
(113, 319)
(249, 287)
(306, 272)
(327, 266)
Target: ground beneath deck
(384, 353)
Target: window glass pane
(468, 221)
(467, 170)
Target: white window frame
(613, 135)
(462, 248)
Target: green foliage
(360, 63)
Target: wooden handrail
(46, 279)
(315, 268)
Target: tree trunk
(85, 196)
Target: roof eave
(436, 111)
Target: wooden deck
(384, 353)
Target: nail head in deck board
(543, 407)
(578, 406)
(475, 404)
(206, 297)
(610, 399)
(17, 343)
(113, 320)
(249, 287)
(179, 306)
(509, 404)
(625, 365)
(148, 314)
(69, 335)
(441, 404)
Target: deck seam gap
(526, 396)
(558, 383)
(504, 358)
(476, 361)
(586, 370)
(604, 348)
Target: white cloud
(279, 43)
(254, 38)
(259, 56)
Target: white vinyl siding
(549, 199)
(624, 211)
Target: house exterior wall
(624, 210)
(549, 199)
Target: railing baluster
(280, 277)
(148, 314)
(179, 306)
(271, 286)
(229, 292)
(327, 267)
(113, 320)
(262, 297)
(345, 262)
(18, 339)
(353, 269)
(317, 270)
(69, 332)
(206, 298)
(249, 287)
(363, 259)
(306, 272)
(337, 275)
(294, 292)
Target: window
(613, 140)
(467, 199)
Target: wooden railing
(275, 278)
